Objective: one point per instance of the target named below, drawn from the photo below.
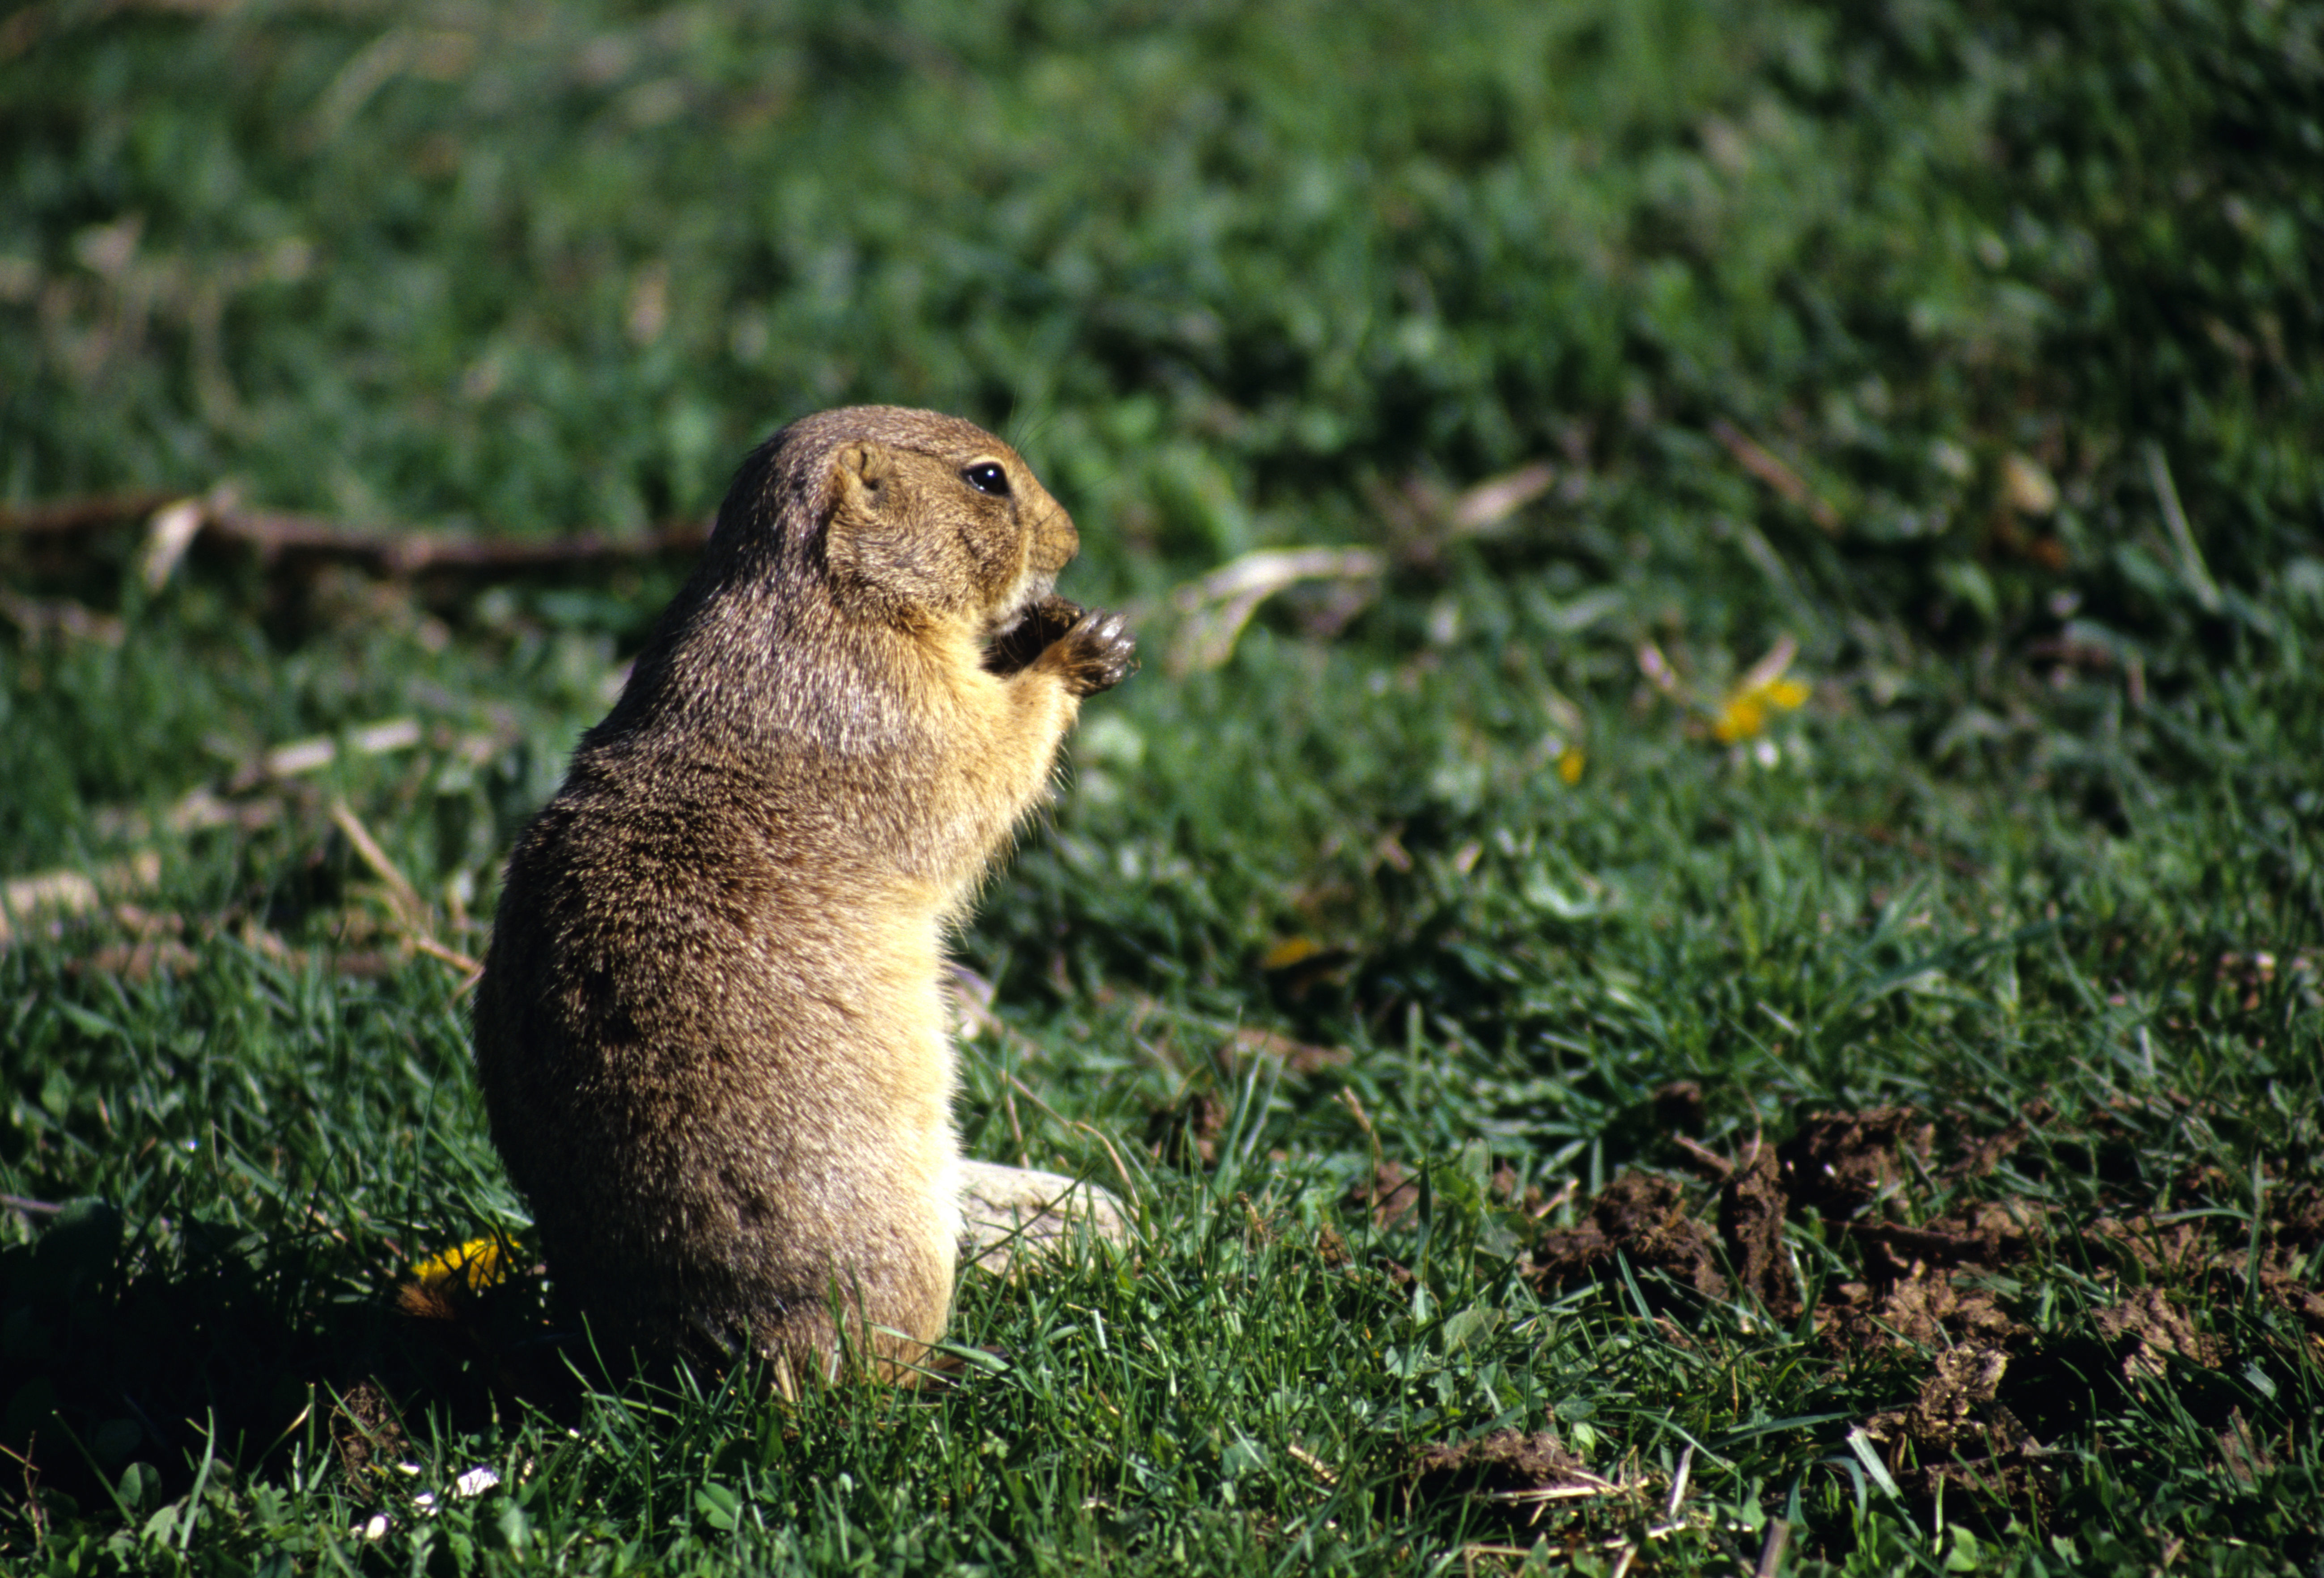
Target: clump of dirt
(1752, 1205)
(1841, 1162)
(1645, 1217)
(2148, 1328)
(1954, 1402)
(1390, 1195)
(1187, 1135)
(1331, 1247)
(1966, 1441)
(367, 1433)
(1522, 1472)
(1501, 1461)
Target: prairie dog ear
(862, 488)
(860, 474)
(880, 556)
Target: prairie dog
(711, 1031)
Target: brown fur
(710, 1033)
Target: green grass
(1234, 278)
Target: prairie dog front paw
(1097, 653)
(1021, 645)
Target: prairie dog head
(932, 521)
(867, 519)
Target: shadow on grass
(135, 1364)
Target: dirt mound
(1941, 1249)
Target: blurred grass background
(1973, 348)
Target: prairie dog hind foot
(1013, 1218)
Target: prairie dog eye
(987, 477)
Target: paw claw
(1097, 653)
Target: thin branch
(276, 535)
(79, 514)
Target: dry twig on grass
(1214, 609)
(407, 911)
(1764, 465)
(1423, 521)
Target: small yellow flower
(479, 1259)
(1289, 952)
(1570, 763)
(1743, 712)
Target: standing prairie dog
(711, 1030)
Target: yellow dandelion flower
(1570, 763)
(1743, 712)
(479, 1259)
(1738, 718)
